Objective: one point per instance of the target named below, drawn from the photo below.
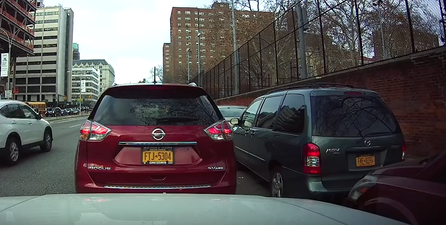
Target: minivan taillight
(92, 131)
(219, 131)
(311, 159)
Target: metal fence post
(359, 32)
(409, 18)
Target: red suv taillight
(92, 131)
(311, 159)
(219, 131)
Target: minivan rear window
(135, 110)
(351, 116)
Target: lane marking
(77, 125)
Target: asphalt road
(53, 172)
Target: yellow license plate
(365, 161)
(157, 157)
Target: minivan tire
(277, 187)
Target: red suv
(155, 138)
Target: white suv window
(29, 114)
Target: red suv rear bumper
(85, 184)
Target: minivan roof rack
(312, 85)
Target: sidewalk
(65, 117)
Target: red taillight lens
(311, 159)
(92, 131)
(403, 155)
(219, 131)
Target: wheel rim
(14, 151)
(48, 141)
(277, 185)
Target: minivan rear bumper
(311, 187)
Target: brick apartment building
(214, 25)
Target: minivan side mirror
(38, 117)
(234, 121)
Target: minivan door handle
(13, 122)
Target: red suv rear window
(149, 108)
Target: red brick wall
(415, 89)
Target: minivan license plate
(365, 161)
(157, 156)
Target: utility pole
(234, 43)
(154, 75)
(302, 26)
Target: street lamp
(199, 61)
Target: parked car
(413, 192)
(231, 111)
(74, 111)
(21, 128)
(53, 112)
(155, 138)
(316, 141)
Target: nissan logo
(158, 134)
(367, 142)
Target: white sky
(128, 34)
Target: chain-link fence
(317, 37)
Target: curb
(64, 117)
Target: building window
(187, 12)
(179, 43)
(179, 24)
(201, 19)
(188, 31)
(188, 37)
(187, 25)
(187, 18)
(179, 12)
(180, 56)
(201, 25)
(201, 13)
(179, 18)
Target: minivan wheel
(11, 153)
(276, 183)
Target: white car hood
(176, 209)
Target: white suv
(21, 128)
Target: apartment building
(166, 62)
(107, 72)
(208, 30)
(90, 76)
(46, 75)
(16, 23)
